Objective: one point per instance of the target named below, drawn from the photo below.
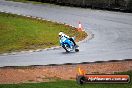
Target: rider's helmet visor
(59, 35)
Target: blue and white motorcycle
(68, 45)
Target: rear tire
(76, 50)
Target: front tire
(66, 47)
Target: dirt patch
(65, 72)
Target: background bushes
(119, 5)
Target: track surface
(112, 35)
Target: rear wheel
(76, 50)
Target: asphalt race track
(112, 35)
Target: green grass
(68, 84)
(21, 33)
(19, 0)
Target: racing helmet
(61, 34)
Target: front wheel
(67, 47)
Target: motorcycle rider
(61, 34)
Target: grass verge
(19, 33)
(68, 84)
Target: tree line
(121, 5)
